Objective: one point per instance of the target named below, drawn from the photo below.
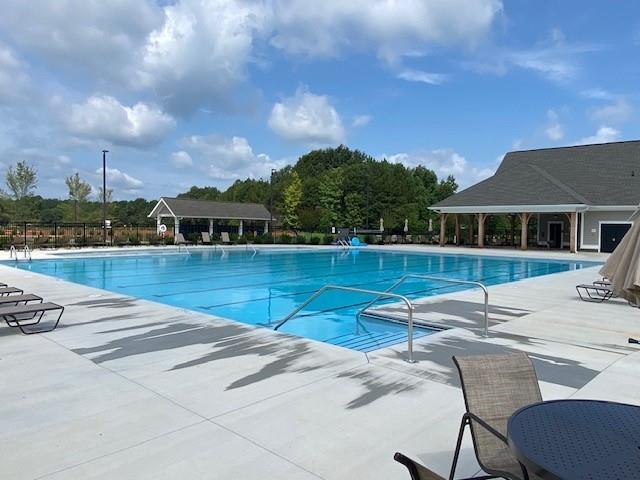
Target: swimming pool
(262, 288)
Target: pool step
(367, 342)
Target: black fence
(56, 235)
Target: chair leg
(463, 424)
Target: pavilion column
(470, 232)
(443, 228)
(266, 227)
(524, 230)
(240, 228)
(158, 223)
(481, 218)
(176, 229)
(211, 226)
(457, 219)
(573, 229)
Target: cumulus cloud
(307, 118)
(554, 130)
(412, 75)
(14, 79)
(444, 162)
(361, 120)
(102, 117)
(227, 159)
(604, 134)
(615, 113)
(117, 179)
(181, 159)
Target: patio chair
(15, 316)
(224, 237)
(494, 387)
(416, 470)
(206, 238)
(9, 290)
(180, 240)
(597, 293)
(9, 300)
(408, 238)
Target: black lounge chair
(494, 387)
(14, 300)
(16, 315)
(416, 470)
(9, 290)
(595, 292)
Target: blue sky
(205, 92)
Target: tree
(292, 197)
(354, 213)
(331, 197)
(109, 195)
(22, 180)
(78, 192)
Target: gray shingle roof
(186, 207)
(600, 174)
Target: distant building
(580, 197)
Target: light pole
(273, 170)
(104, 196)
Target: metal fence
(56, 235)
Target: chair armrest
(486, 426)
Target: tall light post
(104, 196)
(273, 170)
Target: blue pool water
(262, 288)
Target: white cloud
(14, 79)
(117, 179)
(597, 94)
(444, 162)
(554, 130)
(412, 75)
(102, 117)
(361, 120)
(614, 113)
(181, 159)
(604, 134)
(227, 159)
(307, 118)
(327, 28)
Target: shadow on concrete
(376, 387)
(111, 302)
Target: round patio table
(577, 439)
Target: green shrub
(327, 239)
(301, 240)
(314, 240)
(284, 239)
(242, 240)
(370, 239)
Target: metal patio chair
(494, 387)
(417, 471)
(17, 315)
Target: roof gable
(190, 208)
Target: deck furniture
(23, 316)
(9, 300)
(206, 238)
(180, 240)
(224, 236)
(495, 386)
(417, 471)
(577, 439)
(9, 290)
(594, 292)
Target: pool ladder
(13, 253)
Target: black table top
(577, 439)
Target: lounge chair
(15, 316)
(180, 240)
(9, 290)
(224, 236)
(595, 292)
(408, 238)
(416, 470)
(206, 238)
(494, 387)
(9, 300)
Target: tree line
(325, 188)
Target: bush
(327, 239)
(301, 240)
(284, 239)
(242, 240)
(370, 239)
(314, 240)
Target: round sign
(162, 228)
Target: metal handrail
(439, 279)
(12, 252)
(27, 253)
(360, 290)
(247, 245)
(185, 248)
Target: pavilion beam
(176, 229)
(573, 231)
(457, 219)
(524, 230)
(481, 218)
(443, 228)
(241, 228)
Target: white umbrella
(406, 225)
(622, 267)
(382, 225)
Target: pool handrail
(377, 293)
(439, 279)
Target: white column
(240, 228)
(211, 226)
(176, 229)
(158, 223)
(266, 226)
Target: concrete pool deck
(127, 388)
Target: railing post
(55, 234)
(25, 233)
(84, 234)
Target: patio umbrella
(406, 225)
(623, 266)
(382, 225)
